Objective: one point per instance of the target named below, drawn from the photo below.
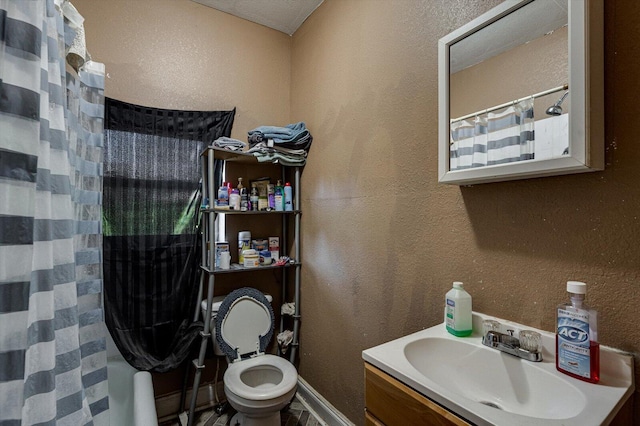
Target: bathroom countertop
(523, 381)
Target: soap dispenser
(457, 311)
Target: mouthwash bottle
(457, 311)
(577, 347)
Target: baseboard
(167, 405)
(319, 406)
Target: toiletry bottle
(271, 196)
(279, 196)
(288, 197)
(254, 197)
(244, 196)
(234, 199)
(457, 311)
(223, 196)
(244, 243)
(577, 347)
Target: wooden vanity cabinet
(390, 402)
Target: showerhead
(556, 109)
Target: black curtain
(150, 221)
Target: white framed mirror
(521, 93)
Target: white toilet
(257, 385)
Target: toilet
(256, 384)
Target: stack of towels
(287, 145)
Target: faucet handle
(510, 331)
(531, 341)
(490, 325)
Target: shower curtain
(52, 333)
(151, 244)
(493, 138)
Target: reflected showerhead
(556, 109)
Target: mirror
(521, 93)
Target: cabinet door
(395, 404)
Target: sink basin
(504, 381)
(489, 387)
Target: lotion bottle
(457, 311)
(577, 347)
(288, 197)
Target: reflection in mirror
(508, 122)
(504, 89)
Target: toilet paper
(284, 340)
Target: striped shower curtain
(511, 134)
(493, 138)
(52, 333)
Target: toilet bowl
(256, 384)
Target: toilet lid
(245, 323)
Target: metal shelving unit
(208, 274)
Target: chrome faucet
(509, 344)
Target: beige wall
(178, 54)
(536, 66)
(382, 240)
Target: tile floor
(297, 414)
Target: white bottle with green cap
(457, 311)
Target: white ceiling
(282, 15)
(527, 23)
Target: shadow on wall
(583, 218)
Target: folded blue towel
(293, 136)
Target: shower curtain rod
(506, 104)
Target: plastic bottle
(254, 197)
(223, 196)
(271, 196)
(279, 196)
(244, 243)
(288, 197)
(577, 347)
(457, 311)
(234, 199)
(244, 196)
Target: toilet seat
(233, 378)
(245, 324)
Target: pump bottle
(577, 347)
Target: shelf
(235, 267)
(227, 155)
(239, 212)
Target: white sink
(486, 386)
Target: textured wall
(382, 240)
(180, 54)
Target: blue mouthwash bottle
(577, 347)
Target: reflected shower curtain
(511, 134)
(493, 138)
(468, 146)
(52, 334)
(151, 245)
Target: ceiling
(282, 15)
(526, 23)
